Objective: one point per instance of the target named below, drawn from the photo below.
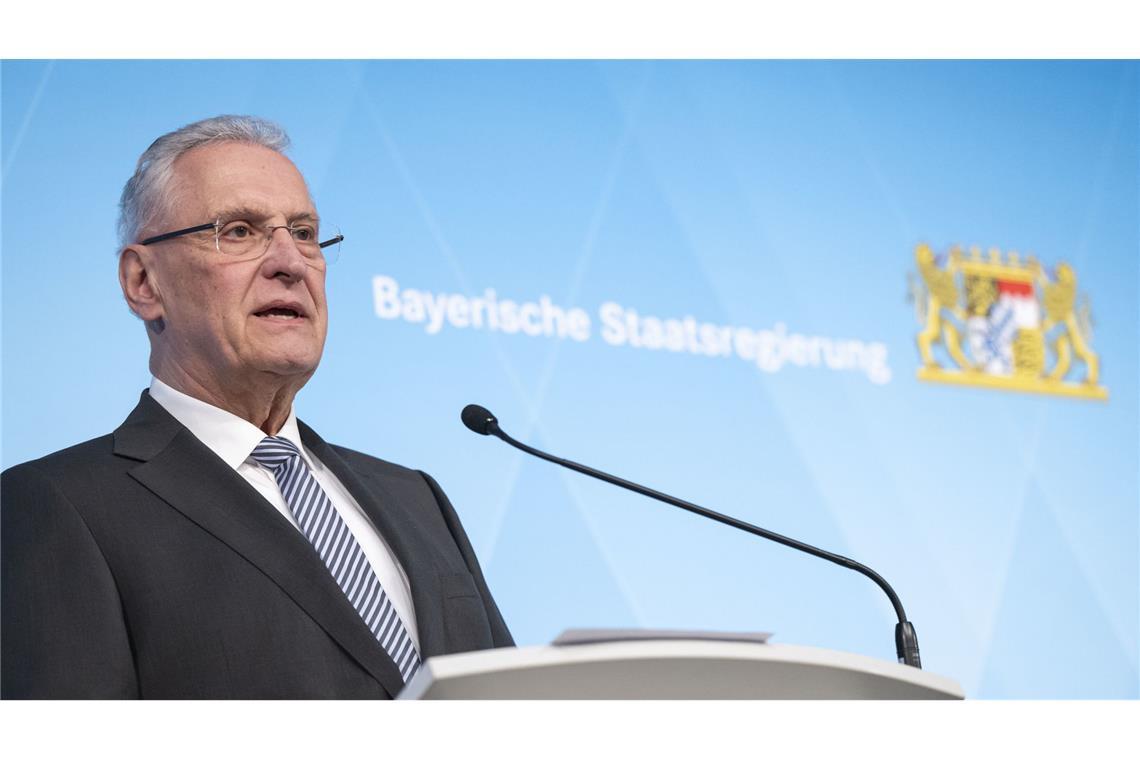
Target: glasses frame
(217, 226)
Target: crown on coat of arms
(1001, 321)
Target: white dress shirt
(234, 439)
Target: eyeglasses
(240, 239)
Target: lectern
(675, 668)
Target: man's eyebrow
(256, 214)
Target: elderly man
(213, 545)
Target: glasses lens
(241, 238)
(330, 246)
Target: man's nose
(283, 256)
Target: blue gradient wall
(737, 194)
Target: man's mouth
(279, 312)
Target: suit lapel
(402, 527)
(183, 472)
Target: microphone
(479, 420)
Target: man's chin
(299, 368)
(287, 364)
(286, 355)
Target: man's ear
(136, 277)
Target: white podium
(672, 669)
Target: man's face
(226, 321)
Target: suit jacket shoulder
(64, 633)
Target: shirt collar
(227, 435)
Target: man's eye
(304, 234)
(237, 230)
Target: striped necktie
(338, 549)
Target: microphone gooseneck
(481, 421)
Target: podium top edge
(507, 658)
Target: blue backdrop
(769, 199)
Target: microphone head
(479, 420)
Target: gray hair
(148, 188)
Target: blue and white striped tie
(338, 549)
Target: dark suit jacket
(140, 565)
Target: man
(213, 546)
